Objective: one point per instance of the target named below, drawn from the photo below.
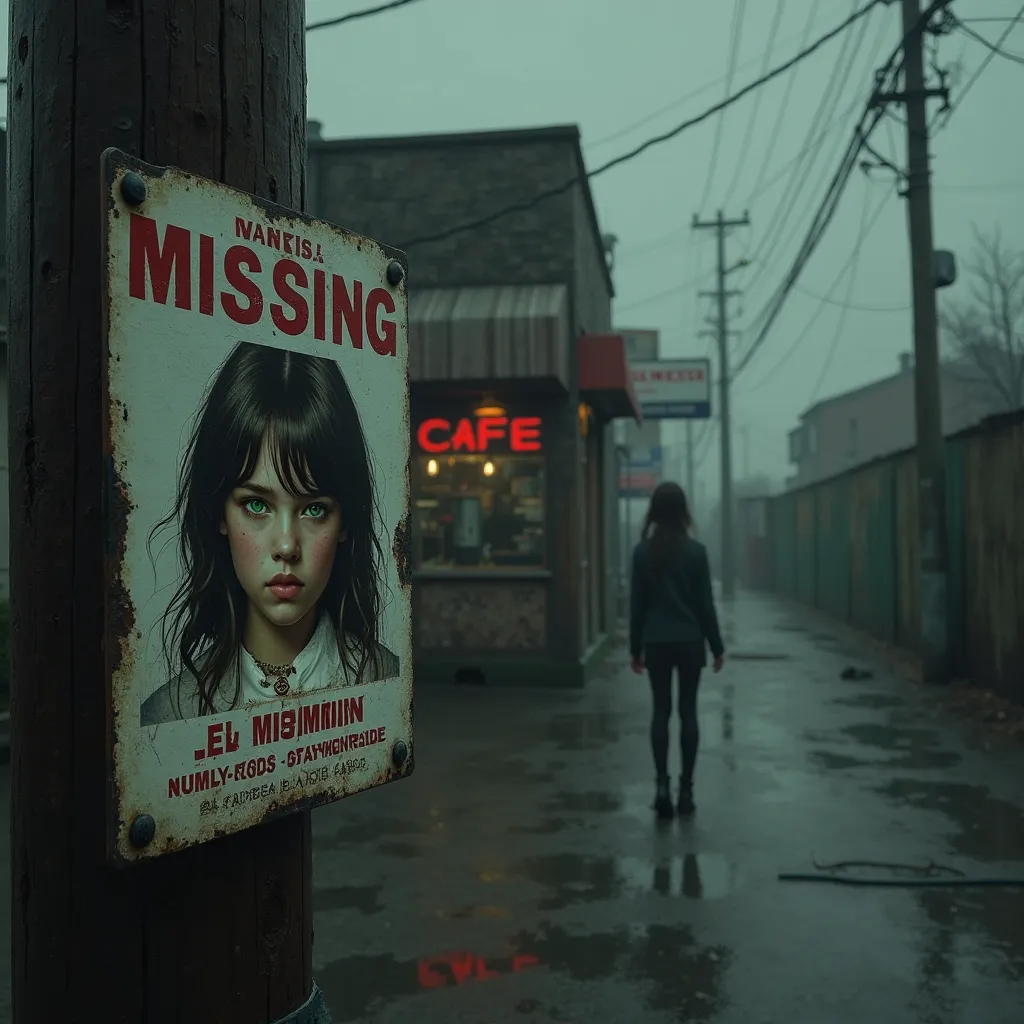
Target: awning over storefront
(605, 381)
(496, 333)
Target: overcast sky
(624, 71)
(627, 69)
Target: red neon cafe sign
(519, 434)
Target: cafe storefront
(513, 483)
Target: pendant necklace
(281, 672)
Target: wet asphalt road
(519, 875)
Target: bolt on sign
(257, 506)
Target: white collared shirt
(318, 666)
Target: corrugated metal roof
(505, 332)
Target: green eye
(316, 511)
(256, 506)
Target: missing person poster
(258, 613)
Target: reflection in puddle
(989, 829)
(914, 749)
(583, 731)
(573, 879)
(682, 977)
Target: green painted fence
(849, 546)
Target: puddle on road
(989, 829)
(569, 810)
(996, 917)
(916, 746)
(364, 898)
(836, 762)
(403, 851)
(547, 827)
(582, 803)
(583, 731)
(874, 701)
(680, 976)
(572, 879)
(369, 831)
(914, 749)
(672, 971)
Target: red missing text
(190, 271)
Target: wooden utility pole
(931, 464)
(223, 932)
(721, 225)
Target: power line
(784, 105)
(354, 15)
(824, 215)
(994, 47)
(659, 241)
(786, 213)
(827, 210)
(843, 271)
(857, 306)
(984, 64)
(738, 11)
(738, 164)
(817, 140)
(676, 289)
(851, 285)
(701, 90)
(540, 197)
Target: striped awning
(508, 332)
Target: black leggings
(661, 659)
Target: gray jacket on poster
(673, 604)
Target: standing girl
(672, 619)
(280, 586)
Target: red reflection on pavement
(460, 967)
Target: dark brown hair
(300, 406)
(668, 521)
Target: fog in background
(626, 70)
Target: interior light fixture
(489, 407)
(432, 467)
(488, 468)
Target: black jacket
(673, 604)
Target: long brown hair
(301, 407)
(668, 521)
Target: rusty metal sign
(257, 438)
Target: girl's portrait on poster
(281, 571)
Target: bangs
(294, 456)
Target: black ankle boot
(685, 805)
(663, 800)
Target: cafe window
(478, 511)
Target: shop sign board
(642, 473)
(516, 434)
(257, 439)
(641, 344)
(673, 388)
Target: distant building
(514, 548)
(877, 419)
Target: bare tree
(985, 332)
